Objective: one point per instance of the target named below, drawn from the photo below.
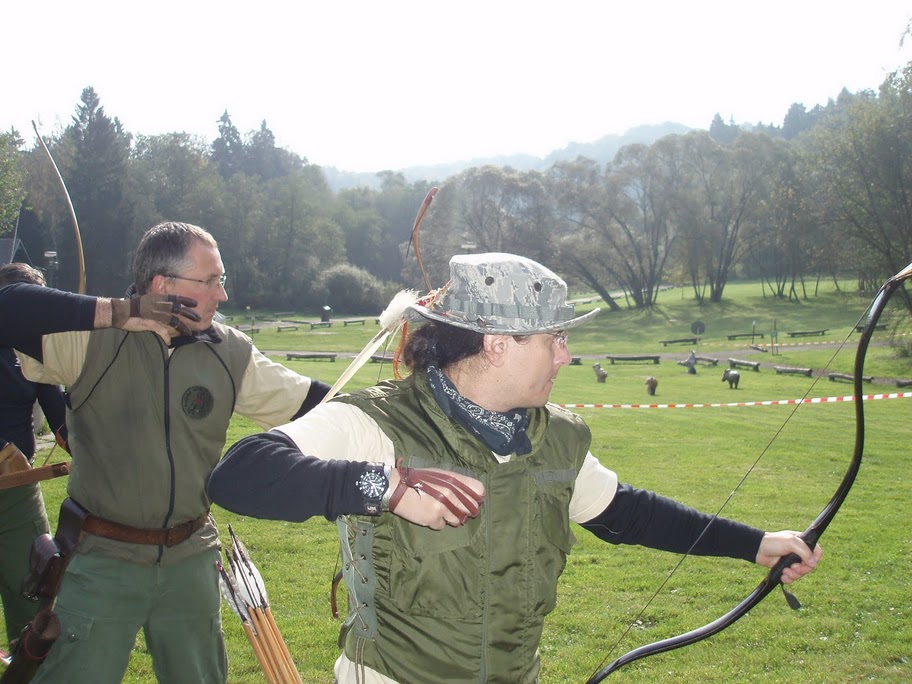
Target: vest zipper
(167, 409)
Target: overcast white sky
(367, 86)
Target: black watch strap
(374, 487)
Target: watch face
(372, 484)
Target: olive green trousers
(22, 519)
(103, 603)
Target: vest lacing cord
(360, 672)
(352, 567)
(353, 563)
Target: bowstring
(638, 617)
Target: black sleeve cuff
(637, 516)
(29, 311)
(266, 476)
(318, 390)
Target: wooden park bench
(249, 329)
(352, 321)
(319, 324)
(708, 360)
(877, 326)
(807, 333)
(576, 361)
(627, 357)
(311, 355)
(848, 378)
(282, 328)
(736, 336)
(788, 370)
(738, 363)
(680, 340)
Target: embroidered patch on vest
(197, 402)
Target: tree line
(828, 193)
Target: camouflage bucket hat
(503, 294)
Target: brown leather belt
(161, 536)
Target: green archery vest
(145, 431)
(461, 604)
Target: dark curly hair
(20, 273)
(439, 344)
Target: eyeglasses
(560, 339)
(209, 283)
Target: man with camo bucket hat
(459, 595)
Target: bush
(351, 290)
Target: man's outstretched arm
(30, 311)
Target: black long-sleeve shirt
(32, 311)
(17, 401)
(267, 476)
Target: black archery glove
(165, 309)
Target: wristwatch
(374, 486)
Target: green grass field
(855, 623)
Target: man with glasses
(446, 596)
(152, 382)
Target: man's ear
(157, 286)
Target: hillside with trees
(826, 193)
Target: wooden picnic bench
(788, 370)
(352, 321)
(738, 363)
(735, 336)
(807, 333)
(627, 357)
(310, 355)
(680, 340)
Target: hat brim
(495, 326)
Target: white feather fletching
(394, 314)
(392, 317)
(227, 585)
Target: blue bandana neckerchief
(503, 433)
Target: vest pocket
(555, 544)
(437, 573)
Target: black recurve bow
(811, 535)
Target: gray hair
(163, 251)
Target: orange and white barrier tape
(774, 402)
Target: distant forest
(827, 193)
